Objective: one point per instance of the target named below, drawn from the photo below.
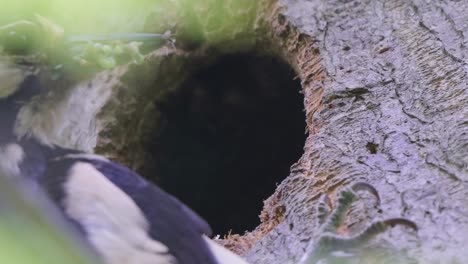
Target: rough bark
(386, 102)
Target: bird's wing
(180, 226)
(171, 221)
(104, 196)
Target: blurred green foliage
(85, 16)
(223, 25)
(212, 20)
(32, 230)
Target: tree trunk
(386, 102)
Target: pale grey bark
(392, 111)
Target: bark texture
(386, 102)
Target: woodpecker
(125, 219)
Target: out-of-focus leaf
(32, 231)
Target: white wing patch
(222, 254)
(11, 155)
(113, 222)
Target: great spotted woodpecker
(125, 218)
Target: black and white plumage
(126, 219)
(124, 216)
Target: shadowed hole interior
(228, 136)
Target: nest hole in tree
(228, 136)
